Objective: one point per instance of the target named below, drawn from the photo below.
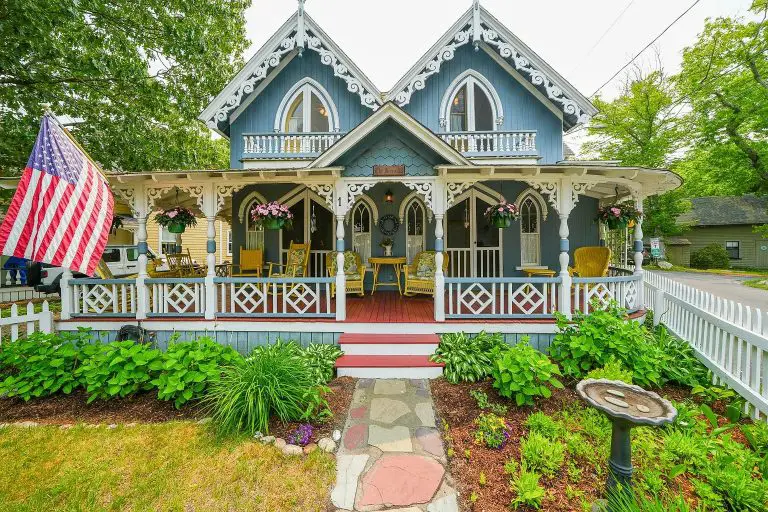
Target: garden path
(391, 453)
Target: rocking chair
(251, 262)
(296, 265)
(591, 262)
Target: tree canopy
(135, 72)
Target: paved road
(724, 286)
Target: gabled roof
(726, 211)
(298, 34)
(477, 26)
(389, 112)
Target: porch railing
(276, 145)
(494, 143)
(285, 297)
(488, 262)
(600, 291)
(178, 296)
(108, 297)
(501, 297)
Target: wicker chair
(297, 264)
(354, 272)
(420, 275)
(251, 263)
(591, 261)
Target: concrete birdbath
(626, 406)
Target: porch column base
(439, 275)
(66, 295)
(210, 287)
(142, 298)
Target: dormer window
(471, 104)
(307, 108)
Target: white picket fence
(32, 322)
(729, 338)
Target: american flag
(61, 212)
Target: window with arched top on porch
(307, 108)
(471, 104)
(415, 228)
(533, 211)
(362, 229)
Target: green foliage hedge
(467, 358)
(523, 373)
(711, 256)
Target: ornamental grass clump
(274, 380)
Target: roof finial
(476, 29)
(300, 34)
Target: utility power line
(600, 39)
(645, 47)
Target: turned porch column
(66, 295)
(142, 295)
(209, 209)
(565, 205)
(638, 251)
(438, 208)
(340, 205)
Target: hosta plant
(120, 368)
(467, 359)
(189, 368)
(524, 373)
(321, 358)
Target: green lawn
(760, 283)
(756, 272)
(170, 466)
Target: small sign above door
(389, 170)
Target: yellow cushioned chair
(354, 271)
(591, 261)
(251, 262)
(420, 275)
(296, 264)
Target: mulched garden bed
(146, 408)
(457, 409)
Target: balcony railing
(309, 145)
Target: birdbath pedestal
(626, 406)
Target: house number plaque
(389, 170)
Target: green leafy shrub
(274, 380)
(120, 368)
(524, 373)
(41, 364)
(321, 358)
(545, 425)
(613, 370)
(189, 368)
(483, 403)
(542, 454)
(737, 487)
(687, 448)
(527, 490)
(592, 341)
(680, 364)
(492, 431)
(467, 359)
(711, 256)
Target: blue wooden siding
(386, 147)
(522, 110)
(259, 116)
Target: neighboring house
(478, 120)
(724, 220)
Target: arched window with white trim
(254, 232)
(530, 231)
(415, 227)
(362, 228)
(307, 108)
(471, 104)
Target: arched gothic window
(471, 104)
(307, 107)
(415, 227)
(530, 230)
(362, 227)
(254, 233)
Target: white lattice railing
(509, 297)
(108, 297)
(263, 297)
(12, 324)
(176, 296)
(729, 338)
(488, 262)
(492, 143)
(317, 259)
(600, 291)
(270, 145)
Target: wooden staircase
(388, 356)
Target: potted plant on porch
(272, 215)
(618, 215)
(387, 244)
(176, 219)
(501, 215)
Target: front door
(473, 245)
(312, 222)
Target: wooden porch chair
(420, 275)
(297, 263)
(591, 261)
(251, 263)
(157, 274)
(354, 272)
(182, 264)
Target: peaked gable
(298, 34)
(478, 27)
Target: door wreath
(389, 224)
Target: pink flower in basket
(172, 213)
(615, 211)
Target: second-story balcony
(266, 146)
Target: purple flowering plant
(271, 210)
(503, 210)
(301, 436)
(492, 431)
(176, 215)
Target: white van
(122, 260)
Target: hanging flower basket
(501, 215)
(619, 215)
(176, 219)
(272, 215)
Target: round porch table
(397, 263)
(539, 272)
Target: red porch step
(346, 361)
(388, 366)
(408, 339)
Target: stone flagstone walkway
(391, 455)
